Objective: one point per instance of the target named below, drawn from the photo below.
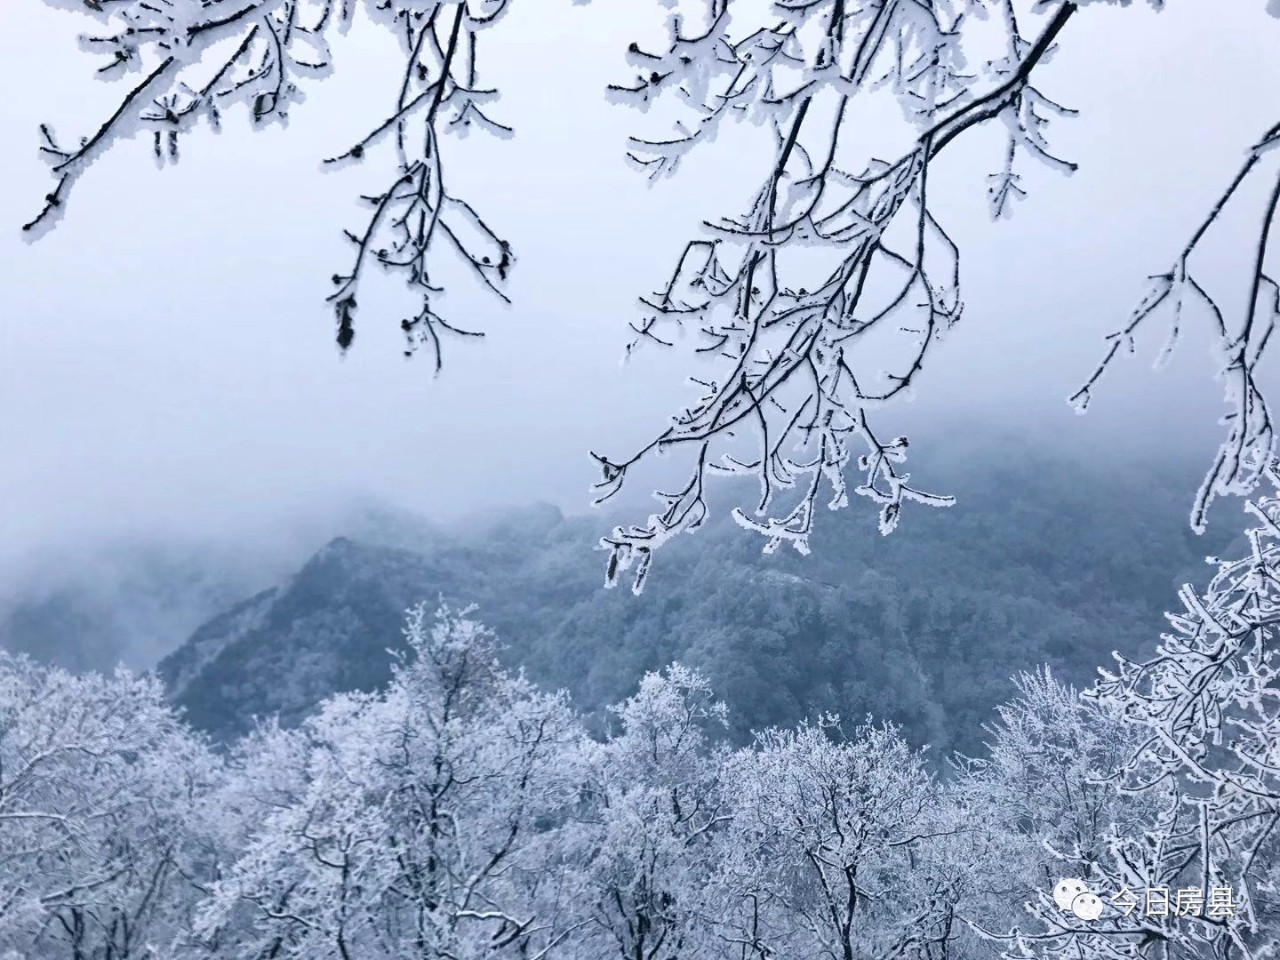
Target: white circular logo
(1066, 891)
(1087, 907)
(1074, 897)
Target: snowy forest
(788, 713)
(459, 810)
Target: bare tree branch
(260, 53)
(795, 383)
(1250, 444)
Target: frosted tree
(1045, 777)
(183, 63)
(1201, 752)
(644, 844)
(416, 826)
(837, 848)
(105, 845)
(1046, 795)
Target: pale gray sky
(166, 357)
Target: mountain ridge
(924, 628)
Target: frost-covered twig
(797, 376)
(1251, 440)
(200, 57)
(1199, 723)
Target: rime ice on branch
(1240, 343)
(1200, 726)
(185, 61)
(797, 365)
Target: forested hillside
(1045, 560)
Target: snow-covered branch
(1240, 344)
(799, 358)
(187, 61)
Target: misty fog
(167, 364)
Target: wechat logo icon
(1072, 896)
